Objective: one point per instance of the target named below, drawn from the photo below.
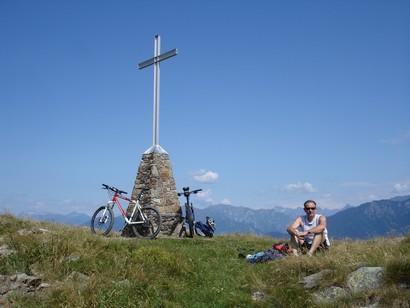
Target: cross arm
(161, 57)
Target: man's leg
(295, 244)
(318, 239)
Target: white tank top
(307, 225)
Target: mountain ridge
(376, 218)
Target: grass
(86, 270)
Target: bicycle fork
(104, 216)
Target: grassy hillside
(86, 270)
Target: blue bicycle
(189, 212)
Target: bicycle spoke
(150, 225)
(102, 221)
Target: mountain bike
(189, 211)
(145, 221)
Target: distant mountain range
(376, 218)
(73, 218)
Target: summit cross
(156, 148)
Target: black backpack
(207, 228)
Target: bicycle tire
(151, 227)
(189, 219)
(182, 231)
(102, 221)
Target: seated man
(309, 231)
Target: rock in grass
(365, 279)
(330, 295)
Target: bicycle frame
(137, 206)
(191, 208)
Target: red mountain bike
(145, 222)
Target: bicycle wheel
(189, 219)
(152, 223)
(182, 231)
(102, 221)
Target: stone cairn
(155, 172)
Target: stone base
(155, 172)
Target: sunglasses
(310, 208)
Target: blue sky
(268, 103)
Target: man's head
(310, 207)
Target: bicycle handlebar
(118, 191)
(186, 192)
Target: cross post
(158, 57)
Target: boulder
(330, 295)
(311, 281)
(365, 279)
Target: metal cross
(156, 148)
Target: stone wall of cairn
(155, 172)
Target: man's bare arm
(292, 229)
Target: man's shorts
(322, 247)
